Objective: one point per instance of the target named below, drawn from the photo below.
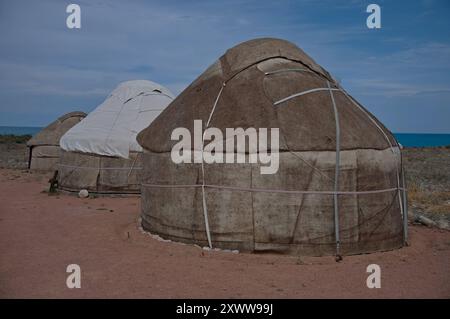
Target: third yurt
(44, 147)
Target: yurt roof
(111, 128)
(51, 134)
(250, 52)
(242, 90)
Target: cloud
(172, 42)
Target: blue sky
(400, 72)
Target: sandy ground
(40, 235)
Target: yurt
(44, 146)
(100, 154)
(339, 186)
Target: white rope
(132, 166)
(336, 174)
(405, 215)
(303, 93)
(288, 70)
(205, 208)
(213, 109)
(99, 168)
(281, 191)
(399, 195)
(400, 199)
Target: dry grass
(430, 203)
(17, 139)
(428, 182)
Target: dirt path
(40, 235)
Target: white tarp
(112, 127)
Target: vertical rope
(336, 176)
(132, 167)
(405, 214)
(401, 191)
(205, 207)
(402, 211)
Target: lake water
(420, 140)
(19, 130)
(406, 139)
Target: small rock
(83, 193)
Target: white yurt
(100, 153)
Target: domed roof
(270, 83)
(111, 128)
(250, 52)
(51, 134)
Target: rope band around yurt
(100, 168)
(282, 191)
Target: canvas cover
(294, 210)
(111, 129)
(100, 174)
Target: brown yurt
(339, 186)
(44, 147)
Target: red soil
(40, 235)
